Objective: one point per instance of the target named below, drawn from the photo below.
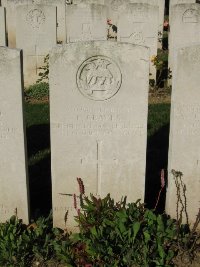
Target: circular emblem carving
(116, 4)
(99, 78)
(137, 38)
(35, 18)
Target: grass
(158, 116)
(39, 165)
(157, 152)
(36, 114)
(37, 123)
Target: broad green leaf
(94, 231)
(136, 228)
(147, 236)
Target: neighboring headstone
(86, 23)
(176, 2)
(184, 28)
(36, 35)
(4, 3)
(138, 24)
(98, 122)
(114, 9)
(61, 23)
(161, 6)
(11, 19)
(184, 148)
(13, 167)
(2, 27)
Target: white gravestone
(36, 35)
(184, 148)
(61, 23)
(176, 2)
(161, 7)
(4, 3)
(98, 122)
(138, 24)
(184, 28)
(114, 9)
(2, 27)
(86, 23)
(13, 167)
(11, 19)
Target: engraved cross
(99, 161)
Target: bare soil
(158, 96)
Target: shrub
(121, 234)
(44, 74)
(38, 91)
(14, 244)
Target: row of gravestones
(31, 26)
(34, 29)
(98, 118)
(92, 114)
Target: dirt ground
(157, 96)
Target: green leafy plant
(111, 234)
(161, 63)
(123, 234)
(44, 74)
(41, 235)
(14, 244)
(22, 245)
(38, 91)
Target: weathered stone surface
(97, 2)
(184, 28)
(61, 23)
(138, 24)
(13, 171)
(11, 19)
(184, 148)
(115, 8)
(161, 7)
(2, 27)
(86, 22)
(98, 122)
(4, 3)
(68, 2)
(177, 2)
(36, 35)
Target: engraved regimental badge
(35, 18)
(190, 16)
(99, 78)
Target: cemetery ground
(111, 234)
